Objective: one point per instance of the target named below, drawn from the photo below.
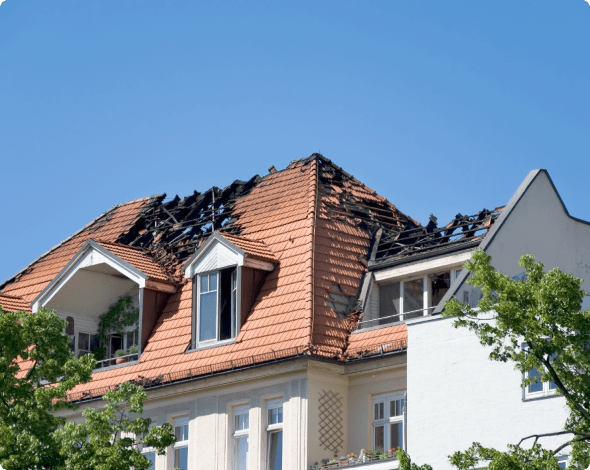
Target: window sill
(540, 396)
(212, 345)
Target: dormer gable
(222, 250)
(96, 277)
(227, 272)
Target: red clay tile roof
(14, 304)
(139, 259)
(372, 339)
(312, 217)
(108, 227)
(254, 248)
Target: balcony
(371, 461)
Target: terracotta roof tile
(280, 219)
(14, 304)
(139, 259)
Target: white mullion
(425, 295)
(198, 312)
(217, 313)
(401, 300)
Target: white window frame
(545, 392)
(274, 427)
(150, 449)
(386, 421)
(77, 340)
(239, 433)
(234, 308)
(563, 459)
(178, 422)
(427, 307)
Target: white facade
(457, 396)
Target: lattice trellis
(331, 428)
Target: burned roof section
(464, 231)
(172, 231)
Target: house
(293, 318)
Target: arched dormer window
(227, 272)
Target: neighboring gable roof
(535, 177)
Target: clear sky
(440, 106)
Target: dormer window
(217, 306)
(410, 291)
(227, 272)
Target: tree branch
(563, 446)
(561, 387)
(537, 436)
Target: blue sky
(441, 107)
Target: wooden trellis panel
(331, 428)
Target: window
(216, 307)
(274, 430)
(413, 298)
(538, 389)
(240, 441)
(388, 421)
(86, 343)
(149, 452)
(151, 456)
(181, 444)
(562, 461)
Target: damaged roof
(316, 222)
(396, 246)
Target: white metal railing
(398, 316)
(364, 460)
(116, 360)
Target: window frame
(546, 392)
(237, 434)
(76, 338)
(234, 308)
(180, 422)
(273, 428)
(454, 273)
(385, 399)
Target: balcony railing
(399, 317)
(116, 361)
(355, 461)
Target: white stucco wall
(456, 395)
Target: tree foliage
(32, 436)
(120, 315)
(535, 323)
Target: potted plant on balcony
(121, 356)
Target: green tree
(32, 436)
(534, 323)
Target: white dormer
(227, 272)
(97, 276)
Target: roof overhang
(91, 254)
(216, 253)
